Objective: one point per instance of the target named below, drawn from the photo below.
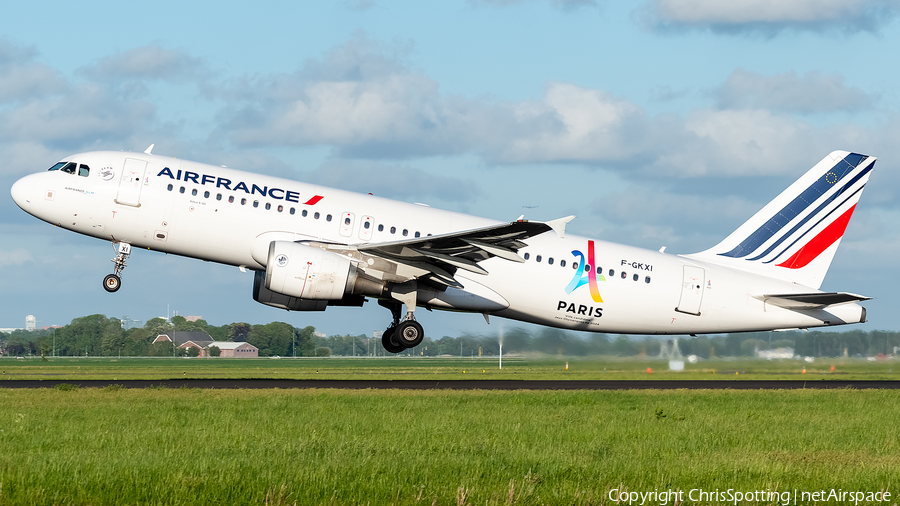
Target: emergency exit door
(691, 290)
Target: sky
(655, 122)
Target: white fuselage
(228, 216)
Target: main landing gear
(401, 335)
(112, 282)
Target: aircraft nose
(22, 192)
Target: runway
(466, 384)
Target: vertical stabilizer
(795, 236)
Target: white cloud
(364, 104)
(15, 257)
(392, 181)
(22, 78)
(810, 93)
(78, 118)
(151, 62)
(559, 4)
(772, 16)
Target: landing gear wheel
(111, 283)
(387, 340)
(409, 334)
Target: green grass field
(592, 368)
(188, 446)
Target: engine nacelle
(300, 271)
(265, 296)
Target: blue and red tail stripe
(798, 205)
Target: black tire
(387, 340)
(409, 334)
(112, 283)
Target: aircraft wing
(439, 256)
(814, 300)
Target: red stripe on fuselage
(819, 243)
(313, 201)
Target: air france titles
(221, 182)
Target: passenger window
(405, 232)
(194, 192)
(292, 210)
(537, 258)
(636, 277)
(57, 166)
(612, 273)
(562, 263)
(624, 275)
(83, 170)
(231, 199)
(418, 234)
(600, 270)
(393, 230)
(268, 206)
(243, 202)
(280, 208)
(367, 225)
(181, 190)
(255, 203)
(206, 195)
(527, 256)
(550, 261)
(381, 228)
(218, 196)
(574, 265)
(647, 279)
(347, 222)
(328, 218)
(170, 187)
(69, 168)
(304, 213)
(316, 216)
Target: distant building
(193, 318)
(184, 340)
(30, 322)
(776, 353)
(234, 350)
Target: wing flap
(464, 249)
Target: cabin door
(131, 182)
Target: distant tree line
(97, 335)
(552, 341)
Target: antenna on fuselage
(148, 150)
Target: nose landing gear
(112, 282)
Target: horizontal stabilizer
(814, 300)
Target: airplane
(312, 247)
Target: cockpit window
(70, 168)
(57, 166)
(84, 170)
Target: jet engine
(302, 278)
